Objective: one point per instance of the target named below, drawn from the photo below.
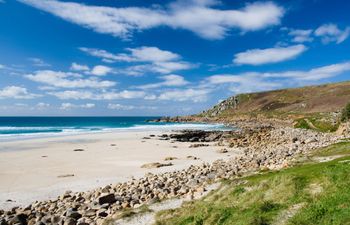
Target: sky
(156, 58)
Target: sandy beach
(43, 168)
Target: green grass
(341, 148)
(318, 122)
(345, 116)
(321, 189)
(126, 213)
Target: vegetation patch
(345, 116)
(318, 122)
(322, 190)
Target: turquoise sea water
(46, 126)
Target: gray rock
(109, 198)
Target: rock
(65, 175)
(19, 219)
(102, 213)
(155, 165)
(72, 213)
(70, 221)
(109, 198)
(78, 150)
(192, 157)
(170, 158)
(3, 222)
(125, 205)
(90, 213)
(223, 150)
(198, 145)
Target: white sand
(26, 176)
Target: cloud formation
(169, 80)
(331, 33)
(241, 83)
(67, 80)
(190, 94)
(198, 16)
(16, 92)
(101, 70)
(79, 67)
(270, 55)
(38, 62)
(315, 74)
(68, 106)
(105, 95)
(128, 107)
(301, 36)
(153, 59)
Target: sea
(31, 127)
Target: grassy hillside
(317, 107)
(309, 193)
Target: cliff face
(230, 103)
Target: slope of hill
(317, 107)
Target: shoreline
(42, 169)
(171, 127)
(245, 152)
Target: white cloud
(39, 62)
(301, 36)
(141, 54)
(68, 106)
(79, 67)
(107, 95)
(151, 54)
(16, 93)
(169, 80)
(191, 94)
(246, 82)
(100, 70)
(331, 33)
(47, 88)
(105, 55)
(157, 60)
(159, 67)
(67, 80)
(128, 107)
(2, 66)
(198, 16)
(315, 74)
(42, 105)
(120, 107)
(269, 55)
(261, 81)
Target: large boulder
(109, 198)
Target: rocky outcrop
(230, 103)
(199, 135)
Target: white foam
(73, 131)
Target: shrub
(345, 116)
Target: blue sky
(132, 58)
